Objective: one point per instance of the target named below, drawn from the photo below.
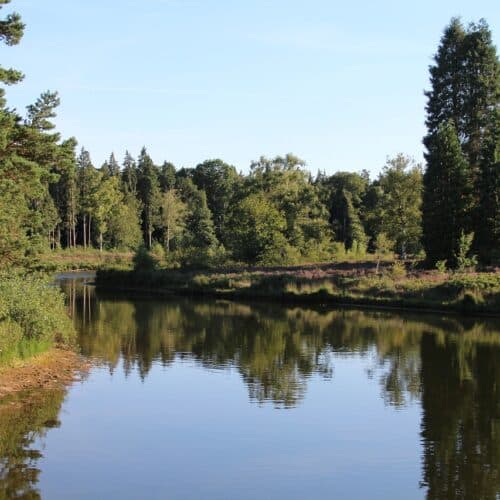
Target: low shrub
(32, 316)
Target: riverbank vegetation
(33, 317)
(393, 285)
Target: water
(218, 400)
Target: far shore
(335, 285)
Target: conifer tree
(445, 208)
(148, 189)
(88, 181)
(110, 168)
(465, 90)
(129, 174)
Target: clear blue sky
(340, 84)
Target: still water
(205, 399)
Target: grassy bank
(79, 259)
(342, 283)
(33, 317)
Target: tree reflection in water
(24, 421)
(448, 365)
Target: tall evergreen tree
(148, 189)
(445, 208)
(200, 231)
(110, 168)
(465, 90)
(129, 174)
(88, 181)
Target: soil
(53, 369)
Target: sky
(339, 84)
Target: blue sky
(339, 84)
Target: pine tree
(110, 168)
(88, 181)
(465, 90)
(11, 32)
(200, 231)
(488, 228)
(446, 207)
(129, 174)
(148, 189)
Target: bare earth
(54, 369)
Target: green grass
(72, 259)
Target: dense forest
(53, 196)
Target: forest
(446, 213)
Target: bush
(465, 261)
(31, 311)
(398, 269)
(441, 266)
(144, 260)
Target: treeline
(277, 214)
(53, 196)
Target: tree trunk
(84, 231)
(168, 237)
(150, 236)
(100, 241)
(90, 227)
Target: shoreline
(313, 299)
(56, 368)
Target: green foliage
(447, 201)
(398, 269)
(148, 190)
(441, 266)
(143, 260)
(462, 180)
(33, 312)
(465, 261)
(257, 229)
(400, 204)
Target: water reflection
(449, 366)
(24, 422)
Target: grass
(72, 259)
(341, 283)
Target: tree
(488, 228)
(129, 174)
(110, 168)
(88, 182)
(148, 190)
(219, 181)
(257, 228)
(290, 189)
(11, 32)
(200, 232)
(400, 203)
(173, 215)
(465, 91)
(344, 193)
(446, 205)
(124, 224)
(167, 176)
(105, 199)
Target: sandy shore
(53, 369)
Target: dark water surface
(208, 399)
